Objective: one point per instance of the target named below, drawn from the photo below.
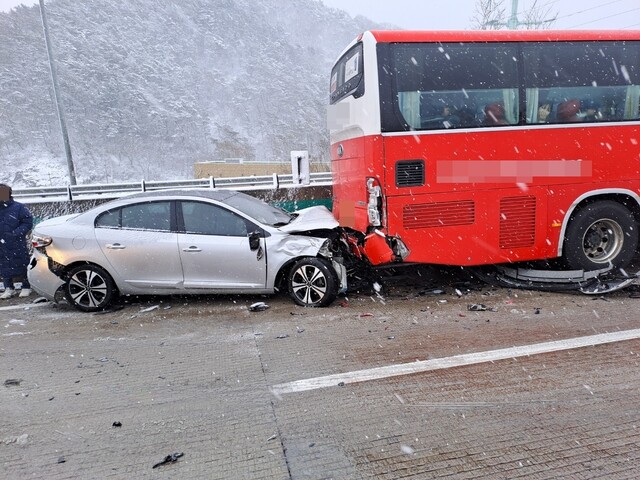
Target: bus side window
(494, 114)
(597, 76)
(427, 79)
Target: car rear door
(214, 249)
(141, 248)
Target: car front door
(141, 248)
(215, 250)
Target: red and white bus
(489, 147)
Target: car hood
(312, 218)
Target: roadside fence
(116, 190)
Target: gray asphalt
(196, 376)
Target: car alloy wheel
(89, 288)
(313, 283)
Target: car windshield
(259, 210)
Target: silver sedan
(187, 242)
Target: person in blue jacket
(16, 222)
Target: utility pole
(58, 100)
(512, 23)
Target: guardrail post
(212, 182)
(276, 181)
(69, 195)
(143, 186)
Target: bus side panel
(590, 156)
(490, 216)
(465, 229)
(361, 158)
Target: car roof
(179, 193)
(219, 195)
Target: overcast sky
(457, 14)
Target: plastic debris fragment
(169, 459)
(258, 307)
(477, 307)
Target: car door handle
(192, 249)
(115, 246)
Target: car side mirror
(254, 240)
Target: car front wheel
(89, 288)
(312, 283)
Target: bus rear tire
(600, 234)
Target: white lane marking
(449, 362)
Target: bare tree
(538, 17)
(492, 15)
(489, 15)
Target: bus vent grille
(409, 173)
(441, 214)
(517, 222)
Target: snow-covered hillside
(151, 87)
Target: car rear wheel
(89, 288)
(313, 283)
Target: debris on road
(407, 450)
(18, 440)
(284, 335)
(115, 308)
(477, 307)
(149, 309)
(169, 459)
(116, 424)
(434, 291)
(258, 307)
(12, 382)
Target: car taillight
(374, 204)
(39, 241)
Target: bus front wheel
(600, 234)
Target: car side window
(109, 219)
(142, 216)
(208, 219)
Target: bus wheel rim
(603, 241)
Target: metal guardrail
(115, 190)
